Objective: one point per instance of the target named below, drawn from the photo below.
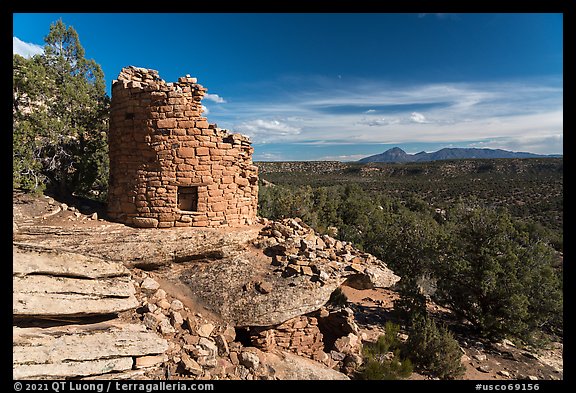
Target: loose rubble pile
(202, 348)
(299, 250)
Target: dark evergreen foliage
(499, 273)
(60, 119)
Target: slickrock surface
(82, 350)
(55, 283)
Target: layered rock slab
(81, 350)
(48, 283)
(142, 248)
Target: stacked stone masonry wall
(169, 166)
(299, 335)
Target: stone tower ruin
(169, 166)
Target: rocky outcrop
(232, 288)
(201, 347)
(82, 350)
(194, 289)
(287, 366)
(53, 287)
(51, 283)
(143, 248)
(293, 272)
(297, 249)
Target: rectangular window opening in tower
(188, 198)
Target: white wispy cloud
(524, 113)
(215, 98)
(25, 49)
(417, 117)
(533, 143)
(342, 157)
(378, 122)
(205, 110)
(262, 130)
(267, 156)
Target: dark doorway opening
(188, 198)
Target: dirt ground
(373, 307)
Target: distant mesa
(398, 155)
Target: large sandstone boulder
(287, 366)
(291, 272)
(230, 287)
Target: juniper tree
(498, 277)
(60, 118)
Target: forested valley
(486, 235)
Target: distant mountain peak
(396, 154)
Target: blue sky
(341, 86)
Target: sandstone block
(186, 152)
(249, 360)
(186, 124)
(202, 151)
(150, 284)
(166, 123)
(190, 365)
(219, 206)
(150, 361)
(263, 287)
(205, 330)
(201, 124)
(241, 181)
(144, 222)
(80, 350)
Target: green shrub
(386, 343)
(499, 277)
(382, 359)
(433, 350)
(374, 369)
